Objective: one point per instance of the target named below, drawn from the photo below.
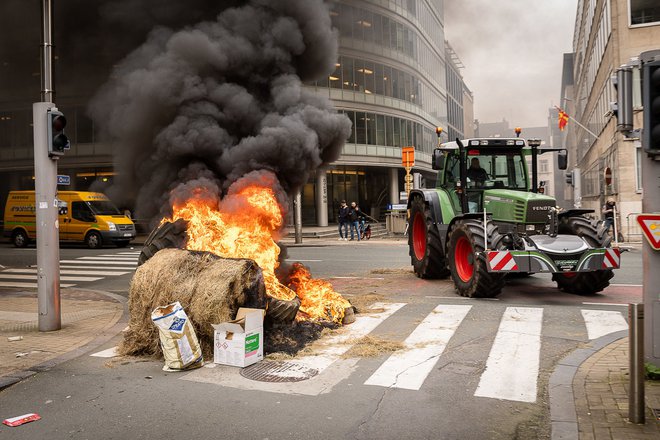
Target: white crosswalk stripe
(408, 368)
(603, 322)
(513, 364)
(79, 270)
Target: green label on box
(252, 343)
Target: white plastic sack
(177, 337)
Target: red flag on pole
(563, 119)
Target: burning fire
(247, 224)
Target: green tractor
(485, 220)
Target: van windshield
(104, 207)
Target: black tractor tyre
(168, 235)
(20, 238)
(468, 266)
(584, 283)
(93, 240)
(282, 310)
(425, 247)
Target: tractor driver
(479, 176)
(476, 173)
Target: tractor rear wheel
(425, 247)
(585, 283)
(468, 266)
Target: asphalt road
(455, 390)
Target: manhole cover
(278, 371)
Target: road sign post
(408, 161)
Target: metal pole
(616, 230)
(48, 244)
(45, 190)
(297, 217)
(47, 92)
(636, 404)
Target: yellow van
(87, 217)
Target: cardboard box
(240, 342)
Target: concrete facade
(608, 34)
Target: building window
(644, 12)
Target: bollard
(636, 403)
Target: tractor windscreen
(492, 168)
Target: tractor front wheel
(467, 263)
(425, 247)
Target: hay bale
(210, 289)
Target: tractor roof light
(521, 143)
(473, 143)
(534, 142)
(484, 142)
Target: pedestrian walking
(354, 219)
(608, 214)
(343, 220)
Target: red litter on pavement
(25, 418)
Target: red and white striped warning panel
(611, 259)
(501, 260)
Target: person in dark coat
(343, 220)
(354, 218)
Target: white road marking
(408, 369)
(65, 271)
(81, 261)
(604, 304)
(6, 276)
(106, 260)
(32, 285)
(336, 345)
(603, 322)
(513, 364)
(109, 353)
(133, 257)
(120, 268)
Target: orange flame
(247, 224)
(318, 298)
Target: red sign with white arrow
(650, 224)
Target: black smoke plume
(208, 104)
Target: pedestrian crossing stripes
(511, 353)
(409, 368)
(72, 272)
(513, 363)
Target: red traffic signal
(58, 143)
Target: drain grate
(278, 371)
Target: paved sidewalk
(89, 318)
(589, 394)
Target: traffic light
(651, 103)
(623, 107)
(58, 143)
(569, 177)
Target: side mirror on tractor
(562, 160)
(438, 160)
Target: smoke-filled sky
(513, 53)
(214, 102)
